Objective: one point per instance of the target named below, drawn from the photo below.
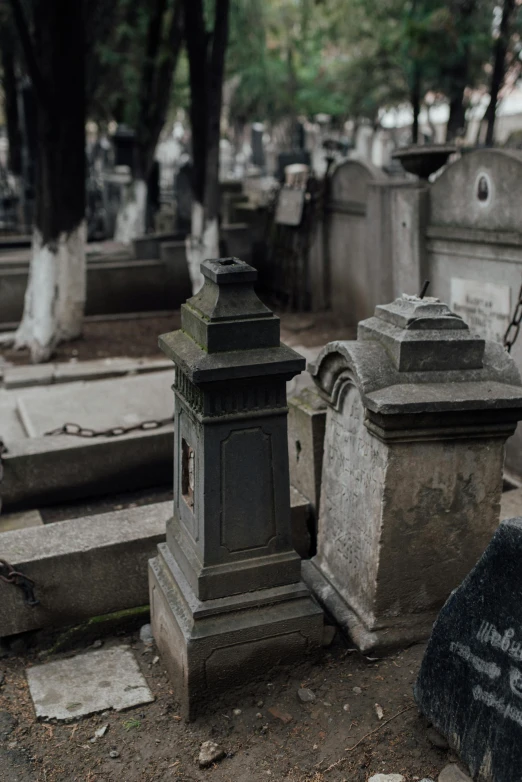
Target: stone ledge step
(94, 565)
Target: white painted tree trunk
(203, 243)
(131, 218)
(55, 295)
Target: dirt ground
(138, 337)
(339, 737)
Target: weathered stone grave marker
(419, 412)
(470, 682)
(227, 600)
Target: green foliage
(279, 50)
(287, 58)
(131, 724)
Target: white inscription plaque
(485, 306)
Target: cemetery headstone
(470, 682)
(227, 599)
(258, 152)
(419, 410)
(124, 140)
(183, 195)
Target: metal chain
(11, 576)
(512, 331)
(116, 431)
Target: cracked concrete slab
(87, 683)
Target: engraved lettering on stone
(506, 710)
(482, 666)
(353, 474)
(485, 306)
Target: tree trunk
(415, 104)
(499, 68)
(132, 215)
(457, 116)
(459, 73)
(9, 83)
(161, 56)
(206, 67)
(55, 295)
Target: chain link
(11, 576)
(116, 431)
(512, 331)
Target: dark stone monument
(258, 151)
(470, 682)
(124, 140)
(227, 599)
(183, 196)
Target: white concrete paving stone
(87, 683)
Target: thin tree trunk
(459, 74)
(415, 104)
(457, 116)
(499, 68)
(206, 67)
(160, 62)
(9, 82)
(55, 295)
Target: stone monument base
(210, 646)
(368, 633)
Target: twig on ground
(351, 749)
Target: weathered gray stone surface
(306, 429)
(87, 683)
(227, 599)
(349, 271)
(387, 778)
(107, 403)
(511, 504)
(112, 547)
(453, 773)
(43, 374)
(83, 567)
(412, 472)
(22, 520)
(300, 523)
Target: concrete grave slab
(24, 520)
(88, 683)
(82, 567)
(39, 469)
(70, 371)
(95, 565)
(106, 403)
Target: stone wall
(473, 245)
(463, 232)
